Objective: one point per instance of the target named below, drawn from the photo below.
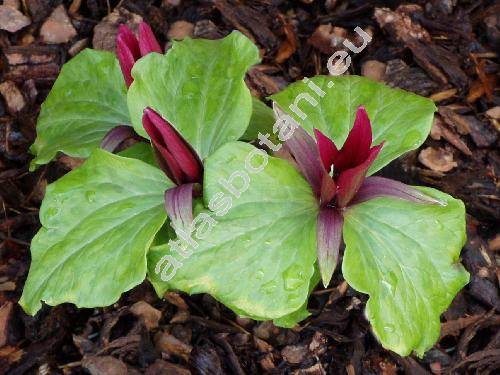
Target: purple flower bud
(128, 52)
(129, 49)
(176, 157)
(147, 40)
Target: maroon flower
(176, 157)
(180, 162)
(338, 179)
(350, 164)
(129, 49)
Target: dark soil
(435, 48)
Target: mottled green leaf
(401, 119)
(87, 100)
(406, 257)
(98, 223)
(259, 258)
(198, 86)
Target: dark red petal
(128, 39)
(375, 187)
(305, 151)
(116, 136)
(168, 164)
(329, 238)
(165, 159)
(147, 40)
(327, 149)
(357, 146)
(179, 206)
(328, 190)
(164, 134)
(127, 51)
(126, 60)
(350, 181)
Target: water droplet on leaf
(269, 288)
(388, 286)
(90, 196)
(389, 328)
(294, 277)
(52, 211)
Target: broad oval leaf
(87, 100)
(400, 118)
(98, 223)
(405, 255)
(259, 257)
(198, 87)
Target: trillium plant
(338, 179)
(194, 184)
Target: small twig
(236, 325)
(15, 240)
(454, 326)
(30, 195)
(233, 359)
(70, 365)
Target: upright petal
(351, 179)
(329, 238)
(147, 40)
(327, 149)
(328, 190)
(128, 51)
(303, 148)
(164, 134)
(375, 187)
(357, 146)
(165, 159)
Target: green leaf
(406, 257)
(259, 257)
(142, 151)
(262, 121)
(87, 100)
(292, 319)
(401, 119)
(98, 223)
(198, 86)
